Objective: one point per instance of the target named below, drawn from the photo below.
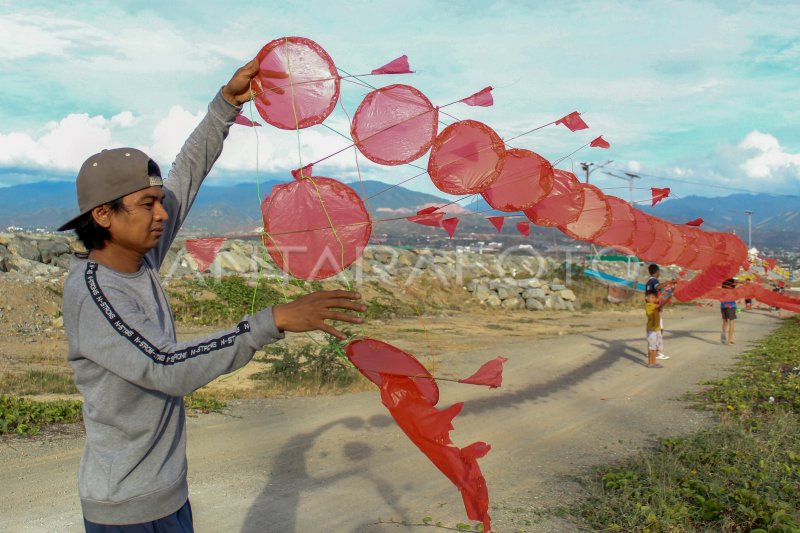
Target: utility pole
(749, 228)
(591, 167)
(629, 177)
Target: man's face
(140, 223)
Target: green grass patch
(199, 403)
(213, 301)
(33, 382)
(26, 417)
(310, 367)
(741, 475)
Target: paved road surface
(340, 464)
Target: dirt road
(341, 464)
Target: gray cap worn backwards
(112, 174)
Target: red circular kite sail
(594, 218)
(564, 203)
(308, 92)
(677, 245)
(690, 250)
(662, 240)
(315, 227)
(466, 158)
(619, 233)
(373, 358)
(394, 125)
(643, 234)
(525, 179)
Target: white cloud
(64, 145)
(123, 119)
(634, 166)
(770, 161)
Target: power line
(701, 184)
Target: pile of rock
(36, 257)
(532, 294)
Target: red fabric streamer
(204, 251)
(394, 125)
(395, 66)
(659, 194)
(524, 228)
(489, 374)
(427, 217)
(482, 98)
(449, 225)
(599, 142)
(411, 401)
(466, 158)
(497, 222)
(244, 121)
(574, 122)
(696, 222)
(525, 179)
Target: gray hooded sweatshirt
(130, 368)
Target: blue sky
(705, 92)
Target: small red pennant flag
(497, 222)
(696, 222)
(573, 121)
(301, 173)
(244, 121)
(600, 143)
(659, 194)
(524, 228)
(204, 251)
(482, 98)
(450, 225)
(489, 374)
(427, 217)
(396, 66)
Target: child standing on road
(658, 288)
(655, 340)
(728, 309)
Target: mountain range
(235, 209)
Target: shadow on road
(276, 508)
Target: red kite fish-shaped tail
(395, 66)
(573, 121)
(429, 429)
(696, 222)
(410, 394)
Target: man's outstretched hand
(237, 91)
(309, 312)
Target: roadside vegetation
(741, 475)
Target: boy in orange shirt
(655, 340)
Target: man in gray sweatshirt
(128, 365)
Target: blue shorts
(178, 522)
